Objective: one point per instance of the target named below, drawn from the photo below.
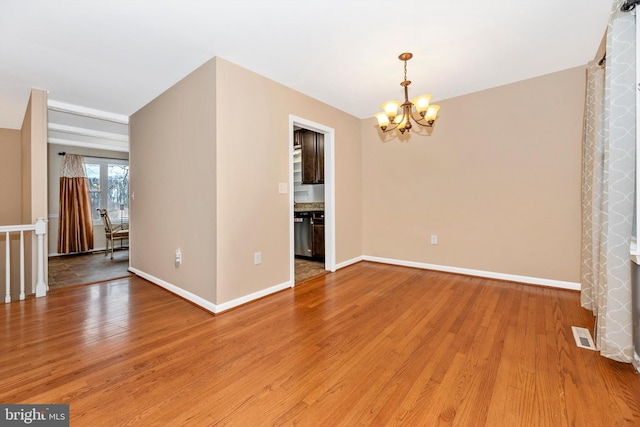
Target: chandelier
(417, 110)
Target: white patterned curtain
(608, 188)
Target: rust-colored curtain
(75, 227)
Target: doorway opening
(311, 199)
(102, 140)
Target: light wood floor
(371, 344)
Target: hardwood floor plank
(371, 344)
(501, 411)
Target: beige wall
(498, 181)
(205, 172)
(30, 173)
(34, 173)
(54, 164)
(253, 157)
(10, 201)
(34, 158)
(172, 160)
(25, 158)
(10, 177)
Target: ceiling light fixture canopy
(418, 110)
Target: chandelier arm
(419, 119)
(394, 125)
(389, 128)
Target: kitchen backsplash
(313, 206)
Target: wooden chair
(112, 233)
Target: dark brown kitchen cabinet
(312, 157)
(317, 227)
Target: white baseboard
(219, 308)
(348, 262)
(199, 301)
(480, 273)
(94, 250)
(208, 305)
(253, 296)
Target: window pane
(95, 204)
(93, 173)
(118, 193)
(109, 187)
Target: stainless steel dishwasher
(302, 233)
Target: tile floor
(81, 269)
(306, 269)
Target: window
(108, 187)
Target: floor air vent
(583, 338)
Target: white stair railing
(40, 229)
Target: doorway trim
(329, 193)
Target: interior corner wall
(252, 159)
(172, 185)
(498, 181)
(205, 175)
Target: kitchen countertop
(308, 207)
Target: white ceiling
(117, 55)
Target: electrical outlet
(178, 257)
(257, 258)
(434, 239)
